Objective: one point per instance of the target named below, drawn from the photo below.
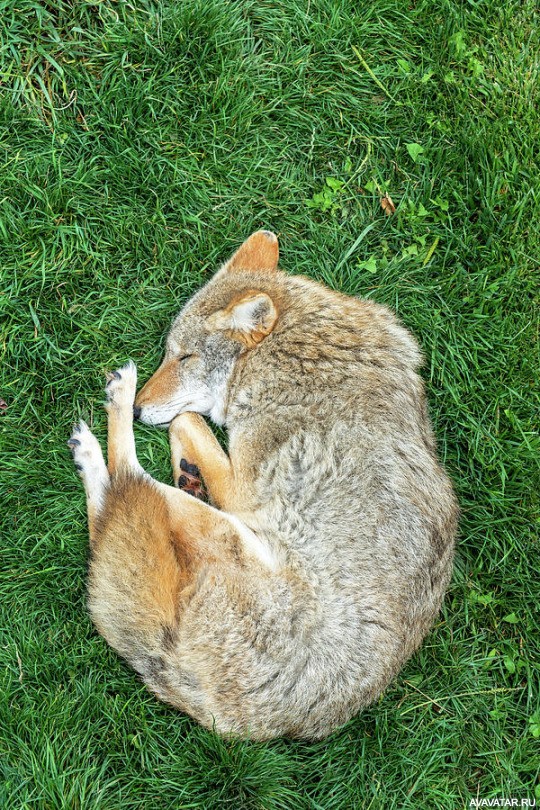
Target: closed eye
(185, 357)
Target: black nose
(136, 412)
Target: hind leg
(90, 464)
(120, 392)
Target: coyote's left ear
(248, 318)
(260, 251)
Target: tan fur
(158, 387)
(294, 606)
(260, 250)
(190, 437)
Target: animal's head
(230, 316)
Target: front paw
(121, 386)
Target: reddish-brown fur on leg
(152, 554)
(138, 569)
(191, 437)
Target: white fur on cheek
(181, 401)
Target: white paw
(87, 455)
(122, 385)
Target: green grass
(139, 145)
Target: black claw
(78, 466)
(113, 375)
(182, 481)
(73, 443)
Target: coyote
(291, 599)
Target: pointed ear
(249, 317)
(259, 252)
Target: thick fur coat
(291, 602)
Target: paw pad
(190, 480)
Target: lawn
(140, 143)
